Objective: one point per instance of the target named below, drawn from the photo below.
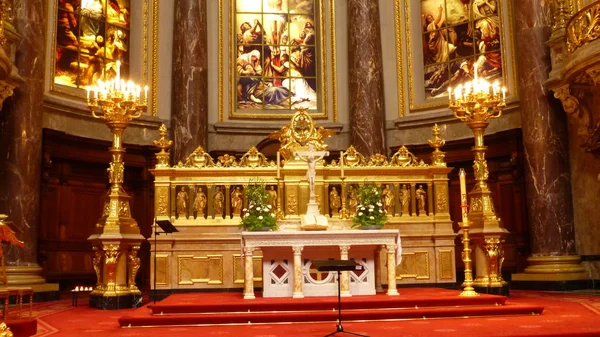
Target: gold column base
(553, 268)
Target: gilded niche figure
(182, 203)
(352, 199)
(218, 201)
(272, 197)
(421, 195)
(237, 202)
(200, 203)
(388, 200)
(405, 199)
(335, 202)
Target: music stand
(167, 227)
(339, 266)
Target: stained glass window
(457, 35)
(91, 35)
(276, 54)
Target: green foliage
(370, 211)
(259, 214)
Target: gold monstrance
(117, 236)
(475, 103)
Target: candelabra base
(468, 292)
(502, 291)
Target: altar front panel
(278, 270)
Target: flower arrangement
(369, 212)
(259, 215)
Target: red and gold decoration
(475, 103)
(6, 235)
(117, 236)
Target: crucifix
(313, 217)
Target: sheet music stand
(167, 228)
(339, 266)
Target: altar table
(287, 263)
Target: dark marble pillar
(545, 139)
(365, 73)
(189, 107)
(21, 133)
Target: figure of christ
(237, 202)
(311, 157)
(200, 203)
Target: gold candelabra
(117, 235)
(475, 103)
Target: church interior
(282, 167)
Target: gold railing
(583, 27)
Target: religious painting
(445, 41)
(459, 36)
(276, 56)
(91, 35)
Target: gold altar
(201, 198)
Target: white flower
(360, 214)
(272, 214)
(258, 208)
(362, 208)
(370, 210)
(372, 217)
(371, 206)
(380, 211)
(379, 204)
(244, 210)
(269, 206)
(260, 217)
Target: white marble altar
(288, 271)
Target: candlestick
(342, 162)
(463, 195)
(278, 164)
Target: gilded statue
(227, 161)
(200, 202)
(421, 196)
(253, 158)
(182, 202)
(388, 200)
(335, 202)
(292, 204)
(405, 199)
(272, 197)
(218, 201)
(237, 201)
(352, 199)
(378, 159)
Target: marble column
(547, 175)
(365, 73)
(21, 142)
(189, 105)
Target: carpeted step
(141, 319)
(232, 302)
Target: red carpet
(563, 315)
(231, 308)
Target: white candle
(118, 71)
(463, 194)
(87, 91)
(342, 162)
(146, 93)
(278, 164)
(504, 93)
